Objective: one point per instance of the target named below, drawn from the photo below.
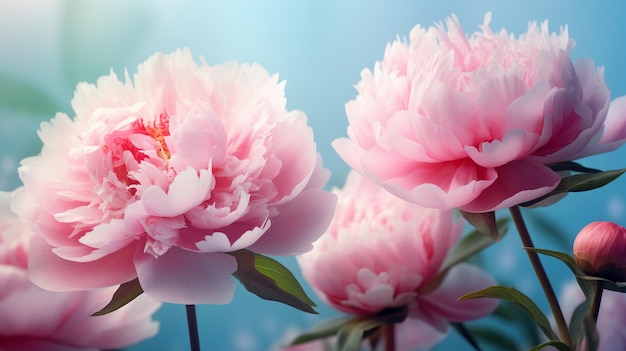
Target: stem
(192, 324)
(389, 334)
(595, 304)
(541, 275)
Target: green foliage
(517, 297)
(26, 98)
(484, 223)
(581, 182)
(352, 331)
(270, 280)
(126, 293)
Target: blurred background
(319, 48)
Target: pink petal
(350, 152)
(185, 277)
(614, 132)
(293, 144)
(54, 273)
(442, 185)
(199, 141)
(298, 224)
(444, 301)
(187, 191)
(514, 145)
(517, 182)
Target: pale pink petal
(54, 273)
(517, 182)
(415, 334)
(185, 277)
(514, 145)
(219, 242)
(293, 134)
(187, 191)
(460, 280)
(350, 152)
(306, 216)
(613, 132)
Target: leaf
(513, 314)
(557, 344)
(468, 246)
(354, 332)
(484, 223)
(572, 166)
(24, 97)
(576, 324)
(592, 338)
(581, 182)
(321, 331)
(584, 282)
(495, 338)
(517, 297)
(270, 280)
(466, 334)
(126, 293)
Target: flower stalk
(389, 336)
(548, 290)
(192, 325)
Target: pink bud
(600, 250)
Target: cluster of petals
(450, 120)
(37, 319)
(160, 176)
(611, 317)
(383, 252)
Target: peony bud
(600, 250)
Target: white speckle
(615, 207)
(244, 340)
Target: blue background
(319, 48)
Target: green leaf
(584, 282)
(321, 331)
(484, 223)
(495, 338)
(576, 324)
(581, 182)
(23, 97)
(355, 331)
(513, 314)
(126, 293)
(270, 280)
(466, 334)
(572, 166)
(517, 297)
(592, 339)
(555, 343)
(468, 246)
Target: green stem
(192, 325)
(595, 304)
(548, 291)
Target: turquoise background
(319, 48)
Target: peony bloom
(383, 252)
(160, 177)
(600, 250)
(447, 120)
(36, 319)
(611, 317)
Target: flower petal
(185, 277)
(51, 272)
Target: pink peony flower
(160, 177)
(383, 252)
(446, 120)
(36, 319)
(611, 317)
(600, 250)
